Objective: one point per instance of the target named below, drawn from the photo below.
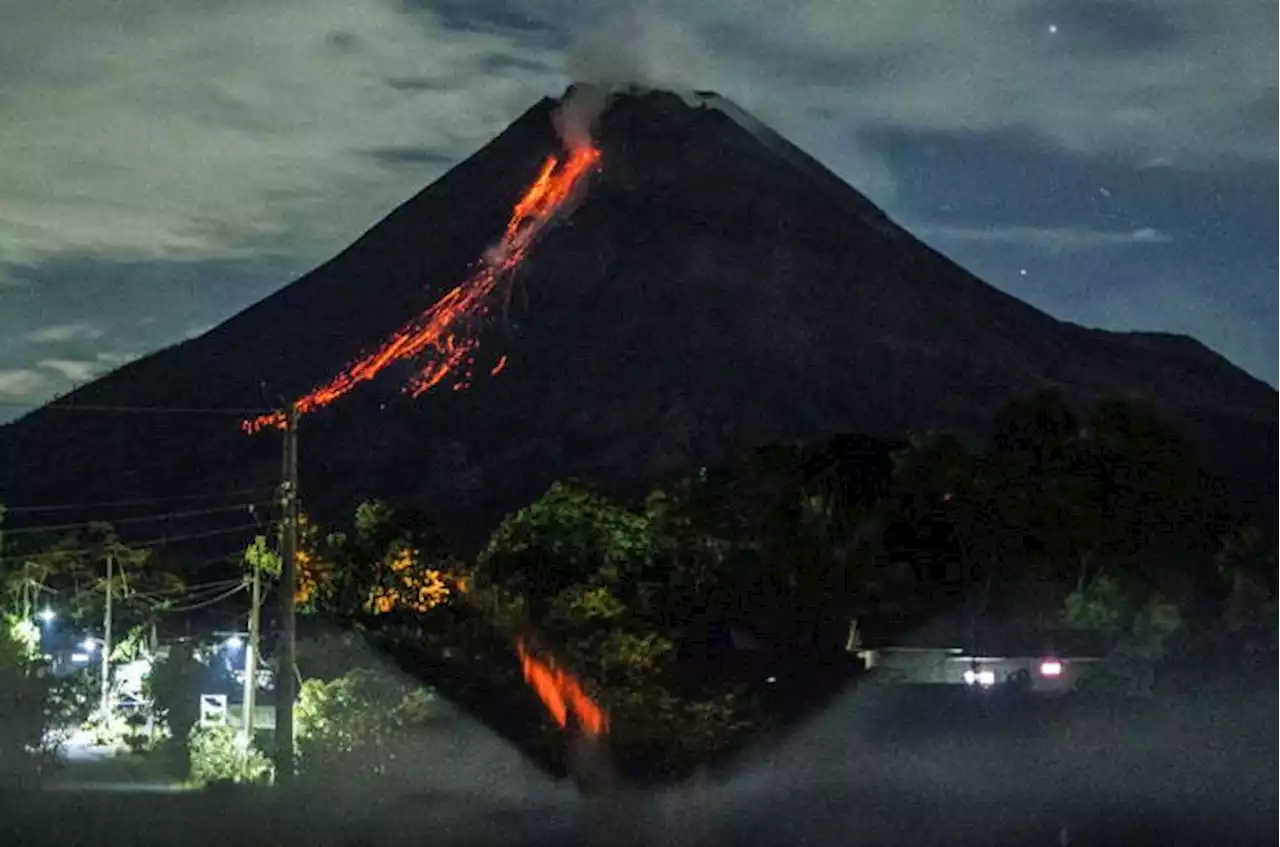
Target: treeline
(701, 614)
(727, 599)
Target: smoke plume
(638, 47)
(579, 112)
(633, 48)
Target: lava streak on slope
(447, 334)
(562, 693)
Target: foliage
(260, 557)
(391, 562)
(407, 584)
(569, 535)
(357, 725)
(313, 570)
(1058, 499)
(788, 538)
(1247, 562)
(24, 635)
(136, 737)
(175, 684)
(218, 755)
(72, 564)
(690, 730)
(1138, 625)
(1097, 516)
(24, 709)
(1100, 606)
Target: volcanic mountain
(707, 286)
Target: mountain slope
(714, 288)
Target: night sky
(165, 163)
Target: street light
(234, 642)
(88, 645)
(47, 615)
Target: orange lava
(447, 333)
(562, 693)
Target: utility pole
(286, 654)
(251, 659)
(106, 643)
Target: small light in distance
(47, 615)
(1051, 668)
(88, 645)
(771, 679)
(235, 642)
(79, 658)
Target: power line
(199, 588)
(144, 501)
(148, 544)
(204, 603)
(26, 530)
(188, 594)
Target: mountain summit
(708, 286)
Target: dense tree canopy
(673, 610)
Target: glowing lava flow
(447, 332)
(561, 693)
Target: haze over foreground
(879, 766)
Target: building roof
(1002, 638)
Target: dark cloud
(498, 62)
(410, 83)
(496, 17)
(342, 42)
(400, 156)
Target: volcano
(703, 286)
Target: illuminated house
(950, 652)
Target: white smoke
(638, 47)
(575, 120)
(634, 48)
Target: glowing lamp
(1051, 668)
(985, 678)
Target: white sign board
(213, 709)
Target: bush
(175, 683)
(358, 725)
(74, 699)
(1132, 666)
(217, 756)
(24, 708)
